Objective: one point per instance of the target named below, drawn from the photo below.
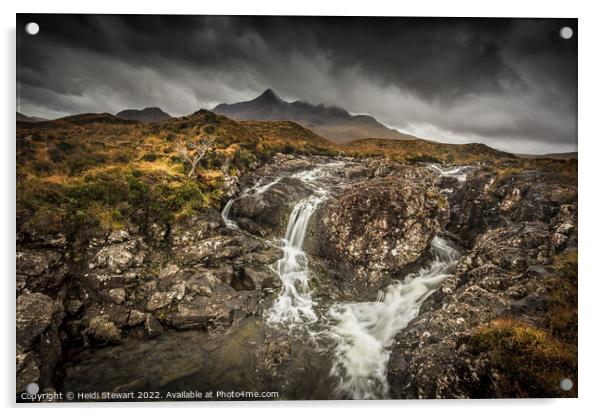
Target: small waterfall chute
(363, 331)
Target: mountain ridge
(146, 115)
(334, 123)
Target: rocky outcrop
(377, 230)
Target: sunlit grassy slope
(99, 170)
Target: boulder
(374, 230)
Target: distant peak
(270, 95)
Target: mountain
(146, 115)
(23, 117)
(334, 123)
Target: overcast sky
(509, 83)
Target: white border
(590, 155)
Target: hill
(28, 119)
(561, 156)
(146, 115)
(88, 171)
(418, 150)
(336, 124)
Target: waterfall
(363, 331)
(457, 172)
(256, 190)
(294, 305)
(226, 215)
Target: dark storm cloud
(510, 83)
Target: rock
(195, 229)
(230, 185)
(152, 327)
(119, 257)
(512, 236)
(262, 277)
(215, 249)
(216, 311)
(34, 315)
(159, 300)
(269, 209)
(169, 271)
(118, 236)
(40, 270)
(27, 370)
(117, 295)
(73, 305)
(102, 329)
(136, 317)
(372, 230)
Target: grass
(532, 358)
(96, 169)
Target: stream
(356, 336)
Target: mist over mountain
(146, 115)
(334, 123)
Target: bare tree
(194, 151)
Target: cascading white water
(226, 215)
(363, 331)
(256, 190)
(457, 172)
(294, 305)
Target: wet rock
(269, 210)
(152, 327)
(375, 229)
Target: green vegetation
(532, 358)
(96, 170)
(99, 169)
